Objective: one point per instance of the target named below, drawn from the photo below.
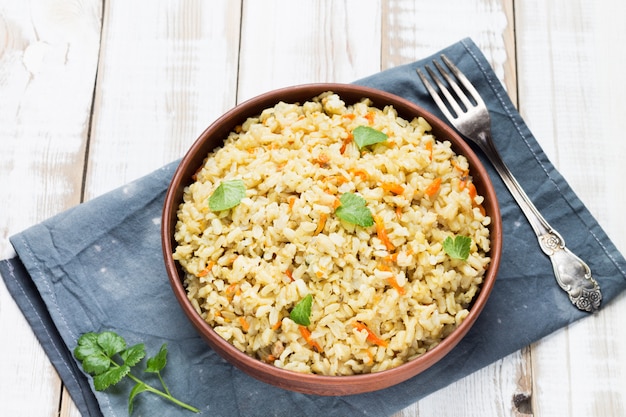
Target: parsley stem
(96, 351)
(163, 384)
(165, 395)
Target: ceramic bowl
(214, 136)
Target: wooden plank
(68, 408)
(334, 42)
(571, 100)
(414, 29)
(48, 55)
(167, 70)
(503, 388)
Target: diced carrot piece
(432, 189)
(429, 148)
(232, 290)
(384, 267)
(245, 326)
(472, 190)
(392, 187)
(391, 280)
(464, 172)
(394, 283)
(341, 179)
(473, 193)
(338, 179)
(382, 233)
(345, 143)
(277, 325)
(359, 173)
(289, 275)
(320, 223)
(306, 334)
(371, 336)
(393, 257)
(206, 270)
(398, 212)
(292, 200)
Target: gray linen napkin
(98, 266)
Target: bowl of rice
(331, 239)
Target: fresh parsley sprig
(457, 248)
(106, 357)
(365, 136)
(353, 210)
(301, 312)
(227, 195)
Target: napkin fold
(98, 266)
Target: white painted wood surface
(94, 94)
(48, 56)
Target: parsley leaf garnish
(457, 248)
(365, 135)
(353, 210)
(106, 357)
(227, 195)
(301, 313)
(157, 363)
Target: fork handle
(572, 274)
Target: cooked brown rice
(377, 302)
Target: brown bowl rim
(214, 135)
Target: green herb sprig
(365, 136)
(353, 210)
(301, 313)
(227, 195)
(457, 248)
(106, 357)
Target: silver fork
(471, 118)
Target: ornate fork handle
(472, 120)
(572, 274)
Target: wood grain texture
(48, 59)
(67, 408)
(287, 42)
(167, 69)
(567, 94)
(48, 55)
(414, 29)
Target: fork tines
(462, 93)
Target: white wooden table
(96, 93)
